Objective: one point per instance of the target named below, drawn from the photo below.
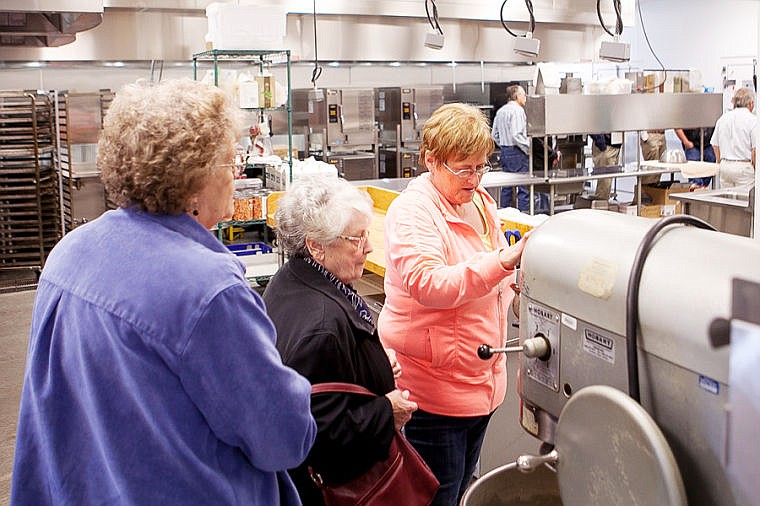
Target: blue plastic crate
(249, 248)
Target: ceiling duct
(47, 23)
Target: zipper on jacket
(502, 341)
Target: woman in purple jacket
(152, 375)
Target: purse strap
(336, 386)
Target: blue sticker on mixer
(709, 385)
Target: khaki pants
(651, 149)
(734, 173)
(608, 158)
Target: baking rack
(30, 223)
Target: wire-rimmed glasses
(468, 173)
(360, 241)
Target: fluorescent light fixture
(394, 64)
(434, 40)
(615, 51)
(527, 46)
(333, 64)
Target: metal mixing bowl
(673, 156)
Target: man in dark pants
(509, 131)
(696, 143)
(604, 154)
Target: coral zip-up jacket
(445, 296)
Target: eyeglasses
(361, 242)
(468, 173)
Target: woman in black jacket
(326, 332)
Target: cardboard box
(657, 211)
(650, 211)
(630, 209)
(659, 194)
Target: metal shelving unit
(30, 223)
(218, 59)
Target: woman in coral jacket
(448, 271)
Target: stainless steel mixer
(617, 309)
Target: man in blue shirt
(509, 131)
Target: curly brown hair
(456, 132)
(160, 143)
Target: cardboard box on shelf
(659, 194)
(630, 209)
(657, 211)
(650, 211)
(282, 152)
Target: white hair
(318, 208)
(743, 97)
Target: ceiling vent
(47, 23)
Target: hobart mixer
(619, 377)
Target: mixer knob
(537, 347)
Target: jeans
(451, 447)
(693, 154)
(514, 160)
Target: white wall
(695, 34)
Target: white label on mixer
(598, 345)
(597, 278)
(569, 321)
(529, 421)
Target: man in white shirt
(734, 141)
(509, 131)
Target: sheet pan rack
(30, 222)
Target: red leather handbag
(401, 479)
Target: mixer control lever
(529, 463)
(485, 352)
(536, 347)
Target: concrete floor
(504, 438)
(15, 318)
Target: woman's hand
(515, 300)
(394, 363)
(402, 407)
(510, 256)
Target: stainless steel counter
(497, 179)
(729, 210)
(494, 179)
